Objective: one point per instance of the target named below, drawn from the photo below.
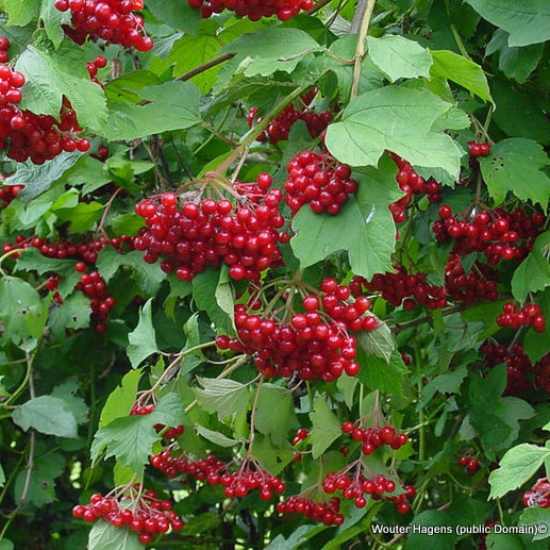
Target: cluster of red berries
(497, 234)
(110, 20)
(86, 252)
(479, 284)
(211, 232)
(539, 495)
(514, 317)
(470, 463)
(373, 438)
(355, 485)
(93, 286)
(254, 10)
(141, 513)
(312, 345)
(478, 149)
(26, 135)
(249, 476)
(402, 500)
(522, 374)
(279, 127)
(402, 288)
(320, 180)
(8, 193)
(4, 45)
(411, 183)
(327, 513)
(100, 62)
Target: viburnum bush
(274, 274)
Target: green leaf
(516, 63)
(536, 516)
(103, 535)
(462, 71)
(515, 164)
(179, 16)
(168, 106)
(122, 398)
(73, 313)
(48, 415)
(131, 439)
(224, 397)
(50, 77)
(6, 544)
(142, 339)
(516, 467)
(275, 413)
(21, 13)
(216, 437)
(378, 373)
(533, 274)
(39, 178)
(76, 405)
(148, 276)
(2, 476)
(326, 428)
(295, 540)
(207, 283)
(270, 457)
(397, 119)
(53, 20)
(41, 483)
(379, 343)
(398, 57)
(527, 22)
(22, 311)
(364, 227)
(272, 49)
(81, 217)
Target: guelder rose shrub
(274, 274)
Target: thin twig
(360, 49)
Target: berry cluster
(539, 495)
(110, 20)
(254, 10)
(249, 476)
(479, 284)
(4, 45)
(175, 464)
(403, 288)
(497, 234)
(523, 375)
(279, 127)
(141, 513)
(514, 317)
(8, 193)
(373, 438)
(411, 183)
(477, 149)
(355, 485)
(313, 345)
(93, 286)
(92, 67)
(320, 180)
(326, 513)
(470, 463)
(402, 500)
(244, 236)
